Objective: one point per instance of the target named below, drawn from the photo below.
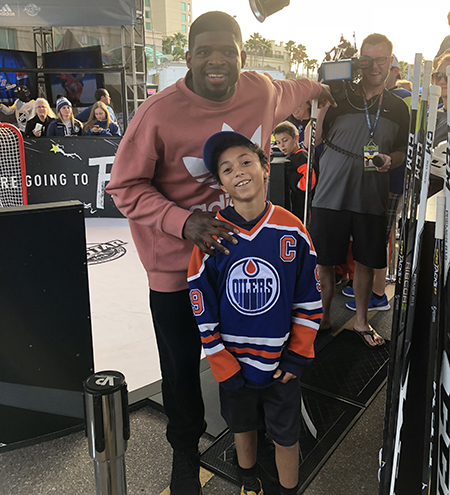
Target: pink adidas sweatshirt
(158, 178)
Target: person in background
(100, 123)
(100, 95)
(405, 84)
(300, 118)
(352, 194)
(42, 115)
(445, 45)
(286, 138)
(379, 300)
(257, 346)
(65, 124)
(439, 77)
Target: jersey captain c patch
(253, 286)
(288, 246)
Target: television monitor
(9, 80)
(78, 88)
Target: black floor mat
(344, 379)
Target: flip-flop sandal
(370, 332)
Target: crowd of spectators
(36, 118)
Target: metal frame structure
(134, 61)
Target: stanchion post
(107, 429)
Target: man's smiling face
(377, 74)
(215, 61)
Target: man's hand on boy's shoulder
(283, 376)
(203, 229)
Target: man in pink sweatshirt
(160, 183)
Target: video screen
(10, 80)
(78, 88)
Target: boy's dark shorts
(331, 231)
(275, 408)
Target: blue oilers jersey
(261, 303)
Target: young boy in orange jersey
(286, 138)
(258, 309)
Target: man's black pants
(179, 347)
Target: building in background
(276, 57)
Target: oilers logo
(253, 286)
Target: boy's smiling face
(241, 175)
(287, 144)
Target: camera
(342, 66)
(344, 70)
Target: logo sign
(105, 251)
(105, 381)
(32, 9)
(253, 286)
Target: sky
(412, 26)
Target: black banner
(67, 168)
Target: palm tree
(299, 56)
(167, 45)
(179, 39)
(174, 45)
(178, 53)
(266, 48)
(290, 48)
(310, 65)
(253, 45)
(404, 69)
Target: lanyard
(371, 128)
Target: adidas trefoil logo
(197, 168)
(6, 11)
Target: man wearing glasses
(352, 194)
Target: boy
(286, 138)
(258, 308)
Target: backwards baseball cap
(62, 102)
(395, 62)
(218, 143)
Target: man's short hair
(214, 21)
(99, 93)
(287, 128)
(375, 39)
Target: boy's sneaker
(185, 472)
(251, 492)
(374, 304)
(348, 289)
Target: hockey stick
(414, 243)
(447, 195)
(431, 427)
(8, 87)
(442, 478)
(392, 398)
(311, 149)
(406, 314)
